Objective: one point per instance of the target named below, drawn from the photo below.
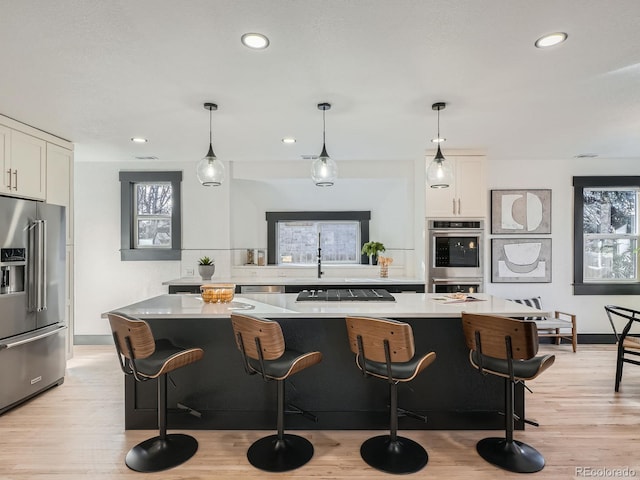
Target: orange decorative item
(384, 263)
(218, 292)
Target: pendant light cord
(323, 128)
(210, 137)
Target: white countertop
(260, 280)
(284, 305)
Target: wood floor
(75, 431)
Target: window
(150, 215)
(293, 237)
(606, 235)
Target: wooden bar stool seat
(385, 349)
(145, 358)
(263, 350)
(506, 347)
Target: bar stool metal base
(156, 454)
(274, 455)
(400, 456)
(514, 456)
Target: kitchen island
(216, 393)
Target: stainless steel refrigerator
(32, 299)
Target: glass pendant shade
(439, 172)
(210, 170)
(324, 170)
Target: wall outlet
(190, 272)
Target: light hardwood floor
(75, 431)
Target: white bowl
(523, 253)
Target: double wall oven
(454, 256)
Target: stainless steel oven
(454, 255)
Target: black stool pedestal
(156, 454)
(514, 456)
(400, 456)
(280, 455)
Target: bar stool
(507, 348)
(263, 350)
(385, 349)
(144, 358)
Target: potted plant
(206, 267)
(371, 249)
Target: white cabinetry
(60, 182)
(69, 300)
(25, 165)
(467, 195)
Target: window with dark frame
(150, 215)
(606, 235)
(293, 237)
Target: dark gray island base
(450, 392)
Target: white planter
(206, 271)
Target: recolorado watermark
(606, 472)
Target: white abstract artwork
(521, 211)
(522, 260)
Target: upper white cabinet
(24, 167)
(467, 196)
(60, 182)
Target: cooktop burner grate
(346, 294)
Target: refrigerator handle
(38, 266)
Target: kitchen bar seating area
(574, 421)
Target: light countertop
(284, 305)
(260, 280)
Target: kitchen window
(607, 235)
(293, 237)
(150, 215)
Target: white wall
(218, 220)
(557, 176)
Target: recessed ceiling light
(438, 140)
(139, 140)
(551, 39)
(288, 140)
(255, 40)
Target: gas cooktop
(346, 294)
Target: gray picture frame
(521, 212)
(521, 260)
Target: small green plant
(205, 261)
(372, 248)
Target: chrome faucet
(320, 272)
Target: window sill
(148, 254)
(606, 288)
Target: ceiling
(100, 72)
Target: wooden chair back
(137, 331)
(374, 332)
(493, 331)
(246, 329)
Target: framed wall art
(520, 211)
(521, 260)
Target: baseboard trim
(92, 340)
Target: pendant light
(439, 173)
(324, 170)
(210, 170)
